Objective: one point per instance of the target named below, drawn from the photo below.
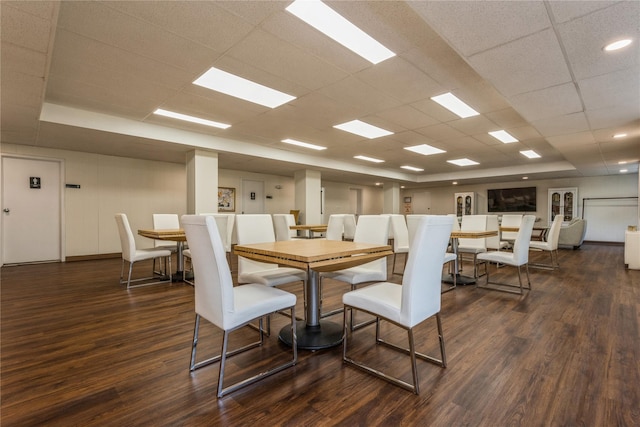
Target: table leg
(460, 280)
(177, 276)
(314, 334)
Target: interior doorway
(355, 201)
(32, 216)
(252, 197)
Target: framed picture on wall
(226, 199)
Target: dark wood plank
(79, 349)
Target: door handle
(6, 210)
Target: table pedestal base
(327, 334)
(460, 280)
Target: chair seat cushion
(255, 300)
(357, 274)
(382, 298)
(273, 277)
(448, 257)
(471, 250)
(497, 256)
(142, 254)
(545, 246)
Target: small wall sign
(34, 182)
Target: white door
(252, 197)
(31, 210)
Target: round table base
(327, 334)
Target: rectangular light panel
(363, 129)
(192, 119)
(412, 168)
(330, 23)
(424, 149)
(368, 159)
(238, 87)
(530, 154)
(463, 162)
(303, 144)
(503, 136)
(455, 105)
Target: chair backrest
(222, 223)
(390, 226)
(214, 296)
(521, 244)
(493, 242)
(373, 229)
(165, 222)
(127, 241)
(554, 232)
(254, 228)
(512, 220)
(413, 221)
(281, 226)
(422, 276)
(349, 226)
(335, 227)
(400, 233)
(473, 223)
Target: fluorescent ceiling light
(192, 119)
(411, 168)
(303, 144)
(619, 135)
(463, 162)
(624, 170)
(425, 149)
(363, 129)
(232, 85)
(530, 154)
(617, 45)
(503, 136)
(622, 162)
(455, 105)
(368, 159)
(330, 23)
(525, 177)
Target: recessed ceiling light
(332, 24)
(624, 170)
(303, 144)
(619, 135)
(463, 162)
(363, 129)
(503, 136)
(192, 119)
(622, 162)
(411, 168)
(239, 87)
(530, 154)
(455, 105)
(378, 183)
(525, 177)
(368, 159)
(617, 45)
(425, 149)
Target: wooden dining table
(175, 235)
(467, 234)
(314, 256)
(310, 229)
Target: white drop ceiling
(87, 76)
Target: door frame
(61, 169)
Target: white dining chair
(258, 228)
(165, 222)
(510, 220)
(471, 246)
(335, 227)
(494, 242)
(282, 224)
(132, 255)
(372, 229)
(551, 245)
(226, 306)
(407, 305)
(350, 224)
(400, 240)
(518, 258)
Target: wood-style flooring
(78, 349)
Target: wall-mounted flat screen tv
(512, 199)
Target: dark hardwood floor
(80, 350)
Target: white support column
(391, 198)
(202, 182)
(308, 196)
